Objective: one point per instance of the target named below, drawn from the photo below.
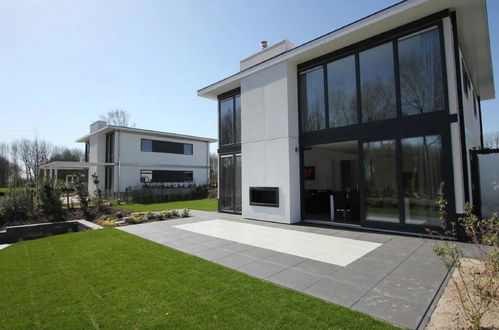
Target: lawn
(111, 279)
(199, 204)
(4, 189)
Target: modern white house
(365, 126)
(125, 157)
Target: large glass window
(422, 179)
(342, 92)
(147, 145)
(312, 100)
(421, 80)
(226, 189)
(227, 121)
(380, 174)
(377, 83)
(230, 120)
(165, 176)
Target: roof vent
(264, 44)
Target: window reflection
(227, 122)
(420, 65)
(380, 176)
(342, 92)
(377, 83)
(422, 179)
(312, 100)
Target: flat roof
(110, 128)
(472, 27)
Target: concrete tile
(234, 261)
(261, 269)
(416, 291)
(213, 253)
(236, 247)
(284, 259)
(258, 253)
(317, 268)
(193, 248)
(424, 276)
(294, 279)
(378, 266)
(336, 292)
(403, 312)
(356, 277)
(218, 243)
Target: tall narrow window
(422, 179)
(380, 174)
(342, 92)
(237, 114)
(226, 189)
(421, 79)
(312, 100)
(377, 83)
(237, 185)
(227, 121)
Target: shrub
(50, 201)
(478, 288)
(81, 190)
(15, 206)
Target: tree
(66, 154)
(491, 140)
(30, 155)
(117, 118)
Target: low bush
(15, 206)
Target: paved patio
(394, 278)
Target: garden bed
(447, 315)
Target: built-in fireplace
(264, 196)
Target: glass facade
(380, 175)
(227, 122)
(226, 192)
(342, 92)
(421, 79)
(422, 179)
(377, 83)
(312, 100)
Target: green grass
(4, 189)
(199, 204)
(111, 279)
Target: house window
(230, 120)
(312, 100)
(377, 83)
(110, 147)
(165, 176)
(342, 92)
(373, 84)
(87, 152)
(421, 79)
(380, 174)
(166, 147)
(475, 105)
(145, 176)
(422, 179)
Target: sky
(63, 63)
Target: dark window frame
(233, 174)
(431, 123)
(254, 190)
(157, 142)
(233, 94)
(188, 180)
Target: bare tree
(30, 154)
(491, 140)
(117, 118)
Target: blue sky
(63, 63)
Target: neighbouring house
(125, 157)
(365, 126)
